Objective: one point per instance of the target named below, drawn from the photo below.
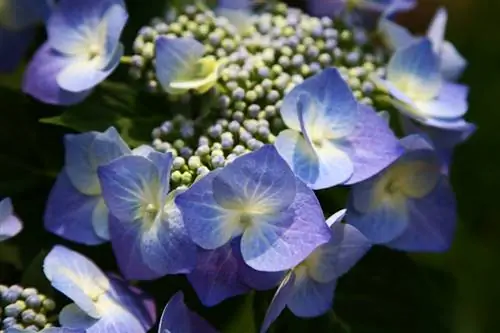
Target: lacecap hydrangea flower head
(266, 106)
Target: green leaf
(243, 319)
(112, 104)
(10, 254)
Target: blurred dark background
(456, 292)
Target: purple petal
(69, 213)
(432, 222)
(372, 146)
(310, 298)
(216, 277)
(279, 301)
(10, 225)
(40, 78)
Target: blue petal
(325, 8)
(437, 29)
(70, 214)
(372, 146)
(380, 224)
(116, 17)
(452, 62)
(319, 167)
(281, 241)
(75, 25)
(151, 252)
(85, 152)
(234, 4)
(137, 302)
(415, 71)
(450, 104)
(216, 277)
(40, 78)
(129, 183)
(10, 225)
(260, 178)
(177, 318)
(84, 74)
(432, 222)
(395, 35)
(327, 103)
(279, 301)
(175, 58)
(45, 330)
(76, 277)
(207, 223)
(13, 46)
(311, 298)
(75, 318)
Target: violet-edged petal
(13, 46)
(114, 318)
(73, 215)
(177, 60)
(79, 28)
(452, 62)
(432, 222)
(134, 300)
(177, 318)
(414, 70)
(85, 152)
(372, 146)
(311, 298)
(326, 103)
(10, 225)
(319, 167)
(280, 241)
(216, 277)
(40, 78)
(279, 301)
(20, 14)
(82, 75)
(450, 104)
(206, 221)
(76, 277)
(259, 182)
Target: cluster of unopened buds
(268, 105)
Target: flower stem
(126, 60)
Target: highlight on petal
(452, 62)
(77, 277)
(177, 318)
(327, 104)
(414, 70)
(40, 78)
(279, 301)
(208, 224)
(437, 29)
(73, 215)
(85, 152)
(319, 167)
(259, 182)
(432, 222)
(450, 104)
(216, 277)
(10, 225)
(372, 146)
(180, 66)
(281, 241)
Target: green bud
(176, 176)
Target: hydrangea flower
(147, 231)
(415, 82)
(452, 63)
(82, 50)
(102, 304)
(307, 290)
(410, 206)
(336, 7)
(177, 318)
(18, 19)
(258, 197)
(180, 65)
(222, 273)
(75, 208)
(10, 225)
(331, 138)
(45, 330)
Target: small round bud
(253, 110)
(218, 161)
(203, 170)
(8, 322)
(238, 94)
(176, 176)
(187, 178)
(40, 320)
(28, 316)
(194, 162)
(238, 149)
(238, 116)
(178, 163)
(273, 96)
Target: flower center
(94, 51)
